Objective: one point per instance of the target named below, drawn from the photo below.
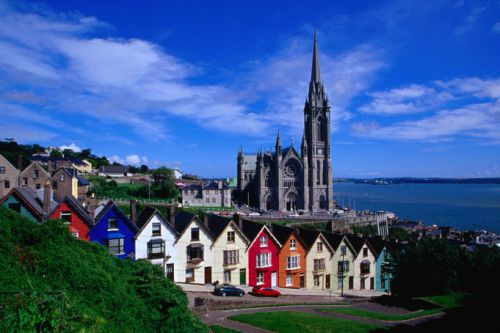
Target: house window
(289, 280)
(319, 247)
(189, 275)
(264, 260)
(319, 264)
(156, 249)
(62, 177)
(2, 170)
(362, 283)
(15, 207)
(6, 183)
(316, 280)
(293, 244)
(382, 283)
(156, 228)
(207, 200)
(25, 181)
(231, 257)
(343, 267)
(213, 200)
(260, 277)
(35, 173)
(112, 223)
(37, 186)
(66, 215)
(230, 236)
(74, 234)
(365, 252)
(293, 262)
(263, 241)
(195, 234)
(227, 276)
(116, 245)
(195, 252)
(365, 267)
(343, 250)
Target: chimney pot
(46, 198)
(171, 218)
(205, 220)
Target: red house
(263, 255)
(77, 218)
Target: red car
(268, 292)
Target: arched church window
(318, 172)
(291, 174)
(268, 180)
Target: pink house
(263, 255)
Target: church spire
(316, 70)
(278, 143)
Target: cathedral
(286, 179)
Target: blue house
(382, 256)
(114, 230)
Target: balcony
(159, 255)
(192, 262)
(319, 268)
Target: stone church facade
(287, 179)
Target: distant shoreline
(411, 180)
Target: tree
(85, 153)
(56, 154)
(143, 169)
(164, 183)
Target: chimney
(19, 163)
(46, 197)
(91, 206)
(133, 210)
(171, 218)
(205, 220)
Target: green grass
(220, 329)
(299, 322)
(453, 300)
(356, 312)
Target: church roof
(249, 162)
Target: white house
(342, 261)
(194, 257)
(229, 251)
(155, 240)
(364, 264)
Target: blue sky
(414, 85)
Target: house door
(208, 275)
(372, 282)
(170, 271)
(243, 276)
(351, 282)
(327, 281)
(274, 279)
(302, 281)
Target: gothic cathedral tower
(318, 140)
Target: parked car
(228, 290)
(268, 292)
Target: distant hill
(101, 293)
(412, 180)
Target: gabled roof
(82, 181)
(377, 244)
(356, 242)
(77, 207)
(283, 233)
(112, 206)
(30, 200)
(333, 239)
(6, 161)
(146, 215)
(68, 171)
(216, 224)
(182, 220)
(33, 164)
(252, 229)
(113, 169)
(308, 236)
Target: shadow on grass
(404, 303)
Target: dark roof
(111, 205)
(82, 181)
(144, 216)
(356, 242)
(113, 169)
(333, 239)
(69, 171)
(216, 224)
(77, 206)
(182, 219)
(46, 159)
(377, 244)
(281, 233)
(308, 236)
(251, 229)
(31, 200)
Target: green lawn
(220, 329)
(449, 301)
(379, 315)
(299, 322)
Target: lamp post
(342, 268)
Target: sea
(463, 206)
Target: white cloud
(133, 160)
(496, 28)
(72, 146)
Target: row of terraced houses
(203, 250)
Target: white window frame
(260, 277)
(264, 260)
(293, 244)
(263, 241)
(289, 280)
(319, 246)
(293, 262)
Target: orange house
(292, 257)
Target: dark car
(269, 292)
(228, 290)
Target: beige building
(318, 260)
(342, 261)
(33, 176)
(9, 176)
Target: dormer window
(195, 234)
(156, 228)
(230, 236)
(112, 223)
(263, 241)
(35, 173)
(62, 177)
(365, 252)
(319, 247)
(66, 215)
(293, 244)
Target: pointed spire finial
(316, 70)
(278, 139)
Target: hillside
(100, 293)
